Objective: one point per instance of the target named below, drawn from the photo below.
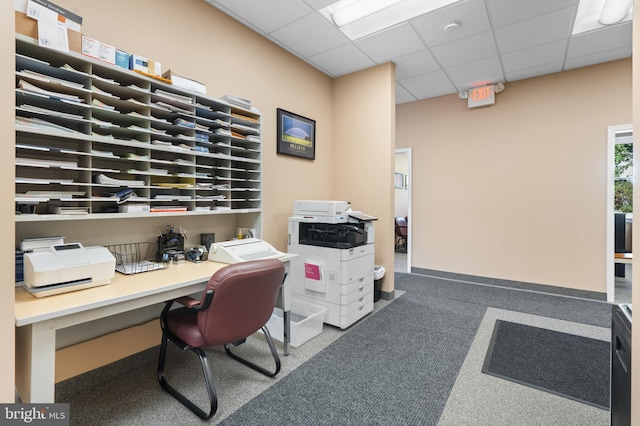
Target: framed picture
(399, 182)
(296, 135)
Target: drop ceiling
(496, 41)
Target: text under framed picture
(296, 135)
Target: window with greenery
(623, 174)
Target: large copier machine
(335, 265)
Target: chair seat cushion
(183, 323)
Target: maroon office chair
(237, 301)
(401, 234)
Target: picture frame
(296, 135)
(399, 181)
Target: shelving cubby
(86, 131)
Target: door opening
(619, 213)
(403, 188)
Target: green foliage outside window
(623, 188)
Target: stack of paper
(167, 209)
(174, 96)
(39, 124)
(105, 180)
(234, 100)
(50, 94)
(39, 162)
(48, 79)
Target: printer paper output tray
(50, 290)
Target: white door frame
(409, 215)
(614, 133)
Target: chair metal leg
(213, 399)
(401, 245)
(274, 354)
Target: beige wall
(517, 190)
(363, 157)
(7, 135)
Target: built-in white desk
(38, 319)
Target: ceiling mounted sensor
(596, 14)
(614, 11)
(359, 18)
(451, 26)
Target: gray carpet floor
(416, 360)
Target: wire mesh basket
(134, 258)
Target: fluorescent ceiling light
(348, 11)
(359, 18)
(614, 11)
(596, 14)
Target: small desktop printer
(62, 268)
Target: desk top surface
(29, 309)
(623, 255)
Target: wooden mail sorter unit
(94, 140)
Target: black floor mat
(571, 366)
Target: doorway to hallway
(403, 189)
(619, 213)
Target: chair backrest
(401, 227)
(243, 300)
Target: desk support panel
(36, 362)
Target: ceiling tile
(541, 54)
(403, 95)
(309, 36)
(319, 4)
(414, 64)
(534, 71)
(432, 93)
(597, 58)
(431, 80)
(471, 17)
(528, 33)
(342, 60)
(404, 100)
(465, 50)
(266, 16)
(386, 45)
(495, 41)
(483, 71)
(505, 12)
(600, 40)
